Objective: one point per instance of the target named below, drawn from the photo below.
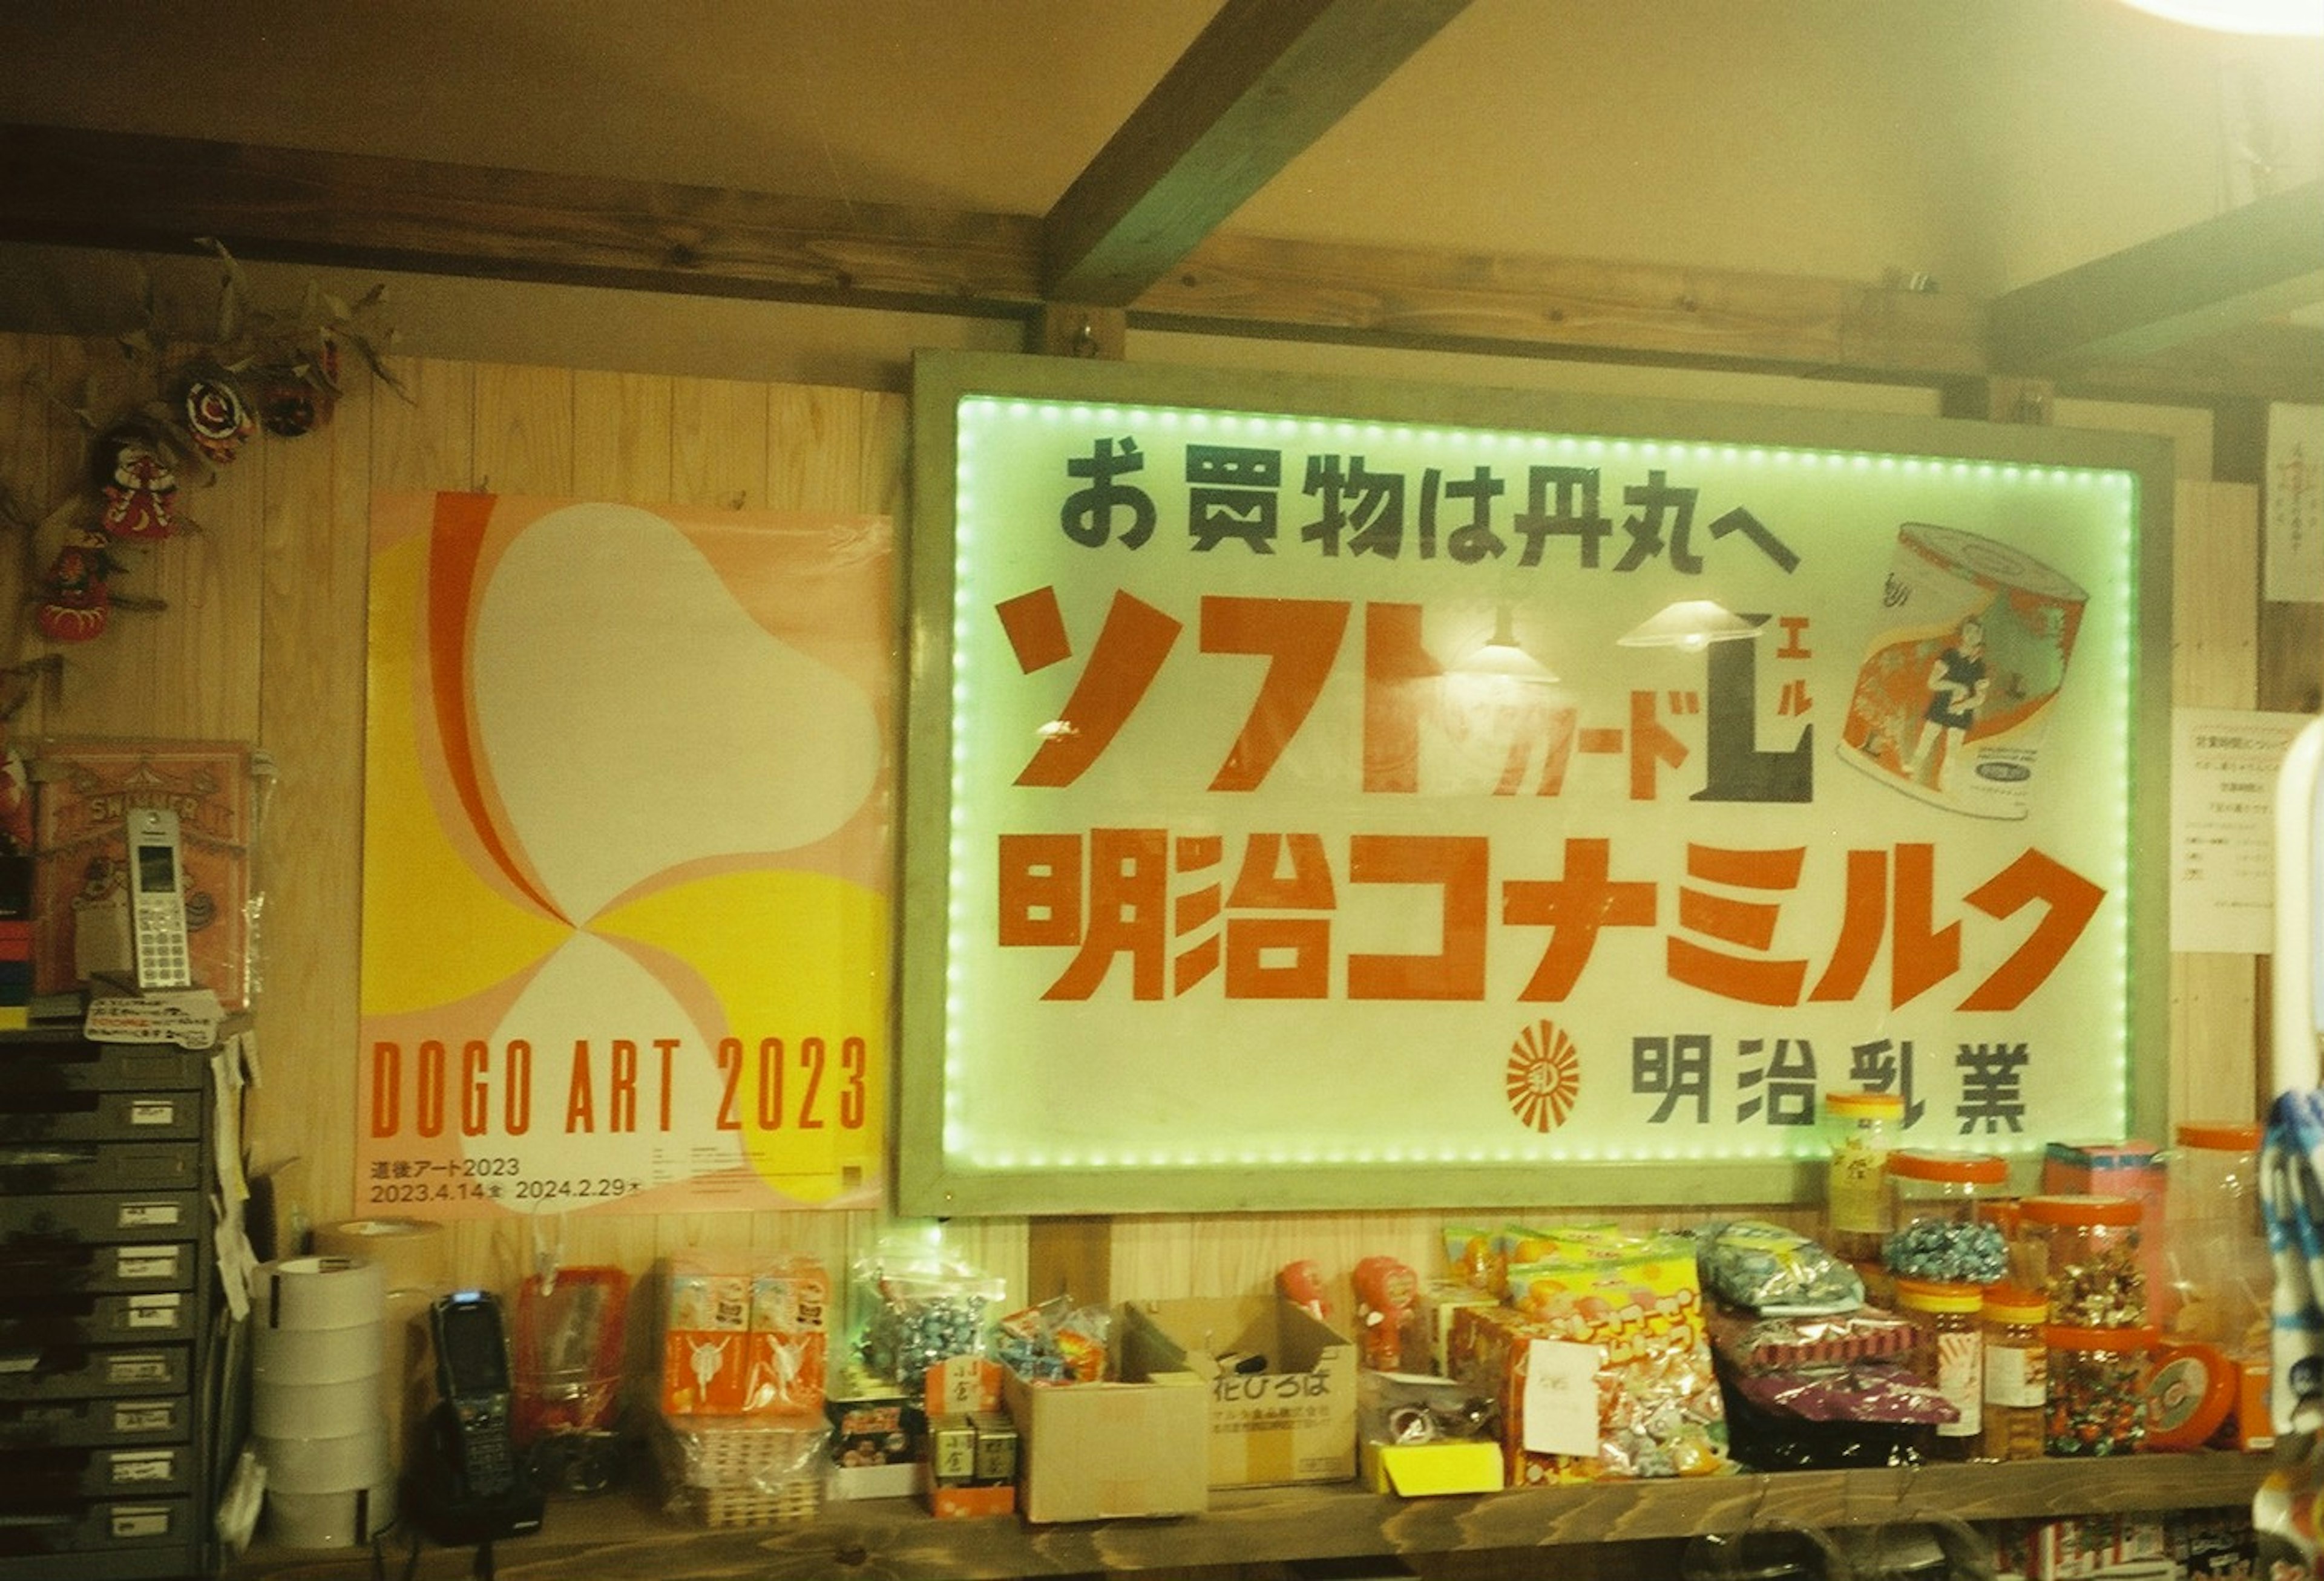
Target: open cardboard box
(1104, 1451)
(1281, 1383)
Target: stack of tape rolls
(415, 1262)
(314, 1357)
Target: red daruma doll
(1389, 1337)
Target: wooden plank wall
(263, 641)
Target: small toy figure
(76, 603)
(141, 489)
(1387, 1316)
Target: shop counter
(625, 1537)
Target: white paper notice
(1561, 1397)
(2294, 501)
(2223, 768)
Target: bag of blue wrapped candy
(917, 1307)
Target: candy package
(1767, 1268)
(919, 1308)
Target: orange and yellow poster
(627, 843)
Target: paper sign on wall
(626, 853)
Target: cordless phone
(472, 1373)
(157, 901)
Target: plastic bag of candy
(1749, 1263)
(918, 1308)
(1055, 1342)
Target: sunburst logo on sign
(1543, 1076)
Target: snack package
(1757, 1343)
(1766, 1268)
(1055, 1342)
(1624, 1316)
(705, 1329)
(787, 1354)
(743, 1334)
(919, 1309)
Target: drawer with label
(58, 1165)
(29, 1320)
(95, 1268)
(101, 1216)
(72, 1116)
(64, 1372)
(109, 1526)
(29, 1480)
(74, 1064)
(30, 1424)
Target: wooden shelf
(625, 1539)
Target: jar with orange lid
(2016, 1372)
(1945, 1232)
(2098, 1389)
(2083, 1254)
(1947, 1355)
(1863, 1129)
(2217, 1275)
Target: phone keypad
(162, 960)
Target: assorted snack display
(1946, 1308)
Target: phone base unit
(454, 1514)
(470, 1486)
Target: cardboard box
(1282, 1384)
(1104, 1451)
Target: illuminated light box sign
(1339, 796)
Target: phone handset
(157, 901)
(471, 1374)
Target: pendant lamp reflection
(1691, 623)
(1501, 656)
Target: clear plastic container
(2016, 1372)
(1945, 1231)
(2083, 1254)
(2217, 1276)
(1863, 1129)
(2098, 1389)
(1949, 1356)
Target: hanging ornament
(141, 490)
(217, 417)
(76, 600)
(299, 401)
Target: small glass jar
(1863, 1128)
(2083, 1254)
(2098, 1389)
(1945, 1233)
(2016, 1372)
(1947, 1355)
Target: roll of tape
(317, 1355)
(413, 1253)
(318, 1293)
(338, 1519)
(319, 1464)
(334, 1410)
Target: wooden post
(1073, 1256)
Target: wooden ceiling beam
(2250, 264)
(107, 190)
(363, 211)
(1263, 80)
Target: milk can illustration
(1953, 696)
